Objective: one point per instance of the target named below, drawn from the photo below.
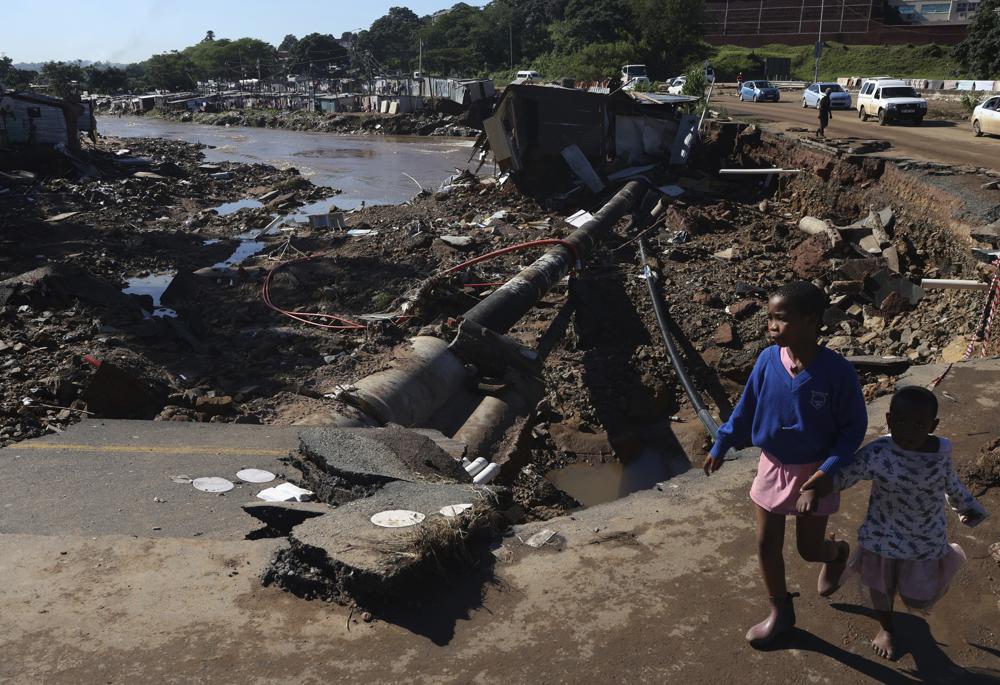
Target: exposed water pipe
(951, 283)
(427, 373)
(505, 307)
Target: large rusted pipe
(516, 297)
(427, 373)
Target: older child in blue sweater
(804, 408)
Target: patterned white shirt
(906, 514)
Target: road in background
(949, 142)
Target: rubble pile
(206, 347)
(422, 123)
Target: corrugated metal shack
(538, 131)
(35, 119)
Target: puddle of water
(591, 484)
(232, 207)
(153, 285)
(245, 250)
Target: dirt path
(940, 141)
(658, 587)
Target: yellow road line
(176, 449)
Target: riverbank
(424, 123)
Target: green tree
(210, 35)
(63, 78)
(454, 42)
(14, 78)
(591, 21)
(320, 51)
(105, 79)
(979, 53)
(288, 43)
(671, 31)
(392, 39)
(170, 71)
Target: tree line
(584, 39)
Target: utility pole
(510, 35)
(819, 40)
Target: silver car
(839, 98)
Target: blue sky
(132, 30)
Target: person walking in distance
(825, 113)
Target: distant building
(755, 23)
(938, 13)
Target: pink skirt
(919, 583)
(776, 487)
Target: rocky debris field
(73, 344)
(423, 123)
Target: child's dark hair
(805, 298)
(914, 397)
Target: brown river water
(365, 168)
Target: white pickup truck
(890, 100)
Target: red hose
(514, 248)
(351, 325)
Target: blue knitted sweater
(819, 415)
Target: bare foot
(883, 646)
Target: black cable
(663, 319)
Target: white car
(676, 86)
(986, 117)
(890, 100)
(529, 75)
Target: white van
(528, 75)
(890, 100)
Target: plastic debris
(397, 518)
(286, 492)
(453, 510)
(255, 476)
(540, 538)
(212, 484)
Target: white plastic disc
(255, 476)
(397, 518)
(455, 509)
(212, 484)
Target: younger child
(803, 406)
(903, 544)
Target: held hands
(818, 485)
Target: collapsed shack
(537, 131)
(33, 119)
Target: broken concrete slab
(343, 554)
(889, 365)
(343, 464)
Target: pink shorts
(776, 487)
(919, 583)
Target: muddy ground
(722, 246)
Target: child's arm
(856, 470)
(736, 431)
(852, 422)
(970, 511)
